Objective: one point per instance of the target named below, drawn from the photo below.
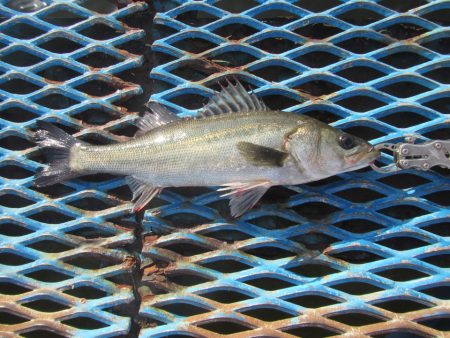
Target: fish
(236, 144)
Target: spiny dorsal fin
(143, 193)
(261, 156)
(159, 116)
(233, 99)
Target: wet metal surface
(364, 253)
(63, 267)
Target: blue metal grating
(363, 253)
(63, 268)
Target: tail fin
(56, 145)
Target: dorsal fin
(159, 116)
(233, 99)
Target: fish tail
(56, 145)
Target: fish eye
(346, 141)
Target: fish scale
(207, 146)
(237, 142)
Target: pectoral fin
(244, 195)
(261, 156)
(143, 193)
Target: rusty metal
(63, 268)
(361, 254)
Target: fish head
(346, 152)
(325, 151)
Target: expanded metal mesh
(63, 268)
(362, 253)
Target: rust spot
(204, 65)
(124, 110)
(149, 239)
(52, 81)
(126, 53)
(156, 279)
(150, 270)
(119, 83)
(306, 95)
(157, 268)
(121, 4)
(147, 323)
(170, 267)
(94, 69)
(129, 261)
(147, 298)
(123, 286)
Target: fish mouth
(373, 154)
(363, 157)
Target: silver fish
(237, 143)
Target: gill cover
(302, 143)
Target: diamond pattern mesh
(63, 268)
(361, 253)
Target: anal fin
(244, 195)
(143, 192)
